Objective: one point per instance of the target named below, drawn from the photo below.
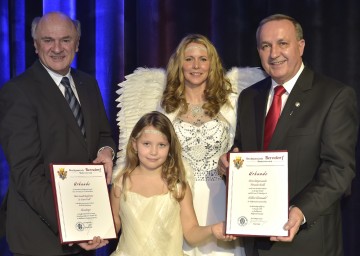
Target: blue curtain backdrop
(120, 35)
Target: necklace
(195, 114)
(196, 110)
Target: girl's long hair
(173, 172)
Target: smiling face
(280, 50)
(56, 42)
(195, 65)
(152, 147)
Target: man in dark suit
(37, 127)
(317, 126)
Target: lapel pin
(297, 104)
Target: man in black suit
(37, 127)
(317, 126)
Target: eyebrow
(201, 56)
(49, 37)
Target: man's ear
(36, 48)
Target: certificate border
(55, 190)
(227, 192)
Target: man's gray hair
(36, 21)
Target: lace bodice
(203, 145)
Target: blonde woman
(200, 100)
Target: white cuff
(112, 151)
(304, 220)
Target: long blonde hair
(218, 86)
(173, 171)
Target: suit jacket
(318, 127)
(37, 128)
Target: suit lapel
(56, 99)
(291, 108)
(85, 103)
(260, 101)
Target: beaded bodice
(203, 145)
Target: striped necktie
(74, 104)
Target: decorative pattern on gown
(150, 226)
(202, 147)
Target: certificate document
(82, 202)
(257, 194)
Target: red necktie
(273, 115)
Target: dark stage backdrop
(120, 35)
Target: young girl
(151, 200)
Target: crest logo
(238, 162)
(242, 221)
(80, 226)
(62, 173)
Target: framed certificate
(257, 194)
(82, 202)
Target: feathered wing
(139, 94)
(243, 77)
(240, 78)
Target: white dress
(141, 93)
(150, 226)
(202, 147)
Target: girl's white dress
(150, 226)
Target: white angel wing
(241, 78)
(139, 94)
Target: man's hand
(223, 163)
(105, 157)
(96, 243)
(296, 217)
(218, 230)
